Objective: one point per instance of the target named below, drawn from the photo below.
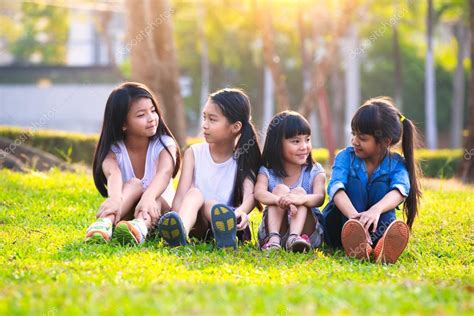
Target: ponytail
(409, 142)
(248, 157)
(379, 117)
(235, 105)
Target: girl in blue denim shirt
(369, 181)
(292, 186)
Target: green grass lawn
(45, 268)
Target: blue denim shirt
(392, 169)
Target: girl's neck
(135, 144)
(221, 152)
(291, 169)
(376, 160)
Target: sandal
(297, 243)
(272, 245)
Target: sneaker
(100, 231)
(297, 243)
(131, 232)
(171, 228)
(392, 243)
(354, 240)
(224, 226)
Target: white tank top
(214, 180)
(151, 164)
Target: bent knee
(281, 189)
(298, 190)
(195, 192)
(134, 183)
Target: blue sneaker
(224, 226)
(171, 228)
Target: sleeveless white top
(151, 164)
(214, 180)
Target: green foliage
(378, 78)
(44, 35)
(442, 164)
(46, 269)
(71, 147)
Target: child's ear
(236, 127)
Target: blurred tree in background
(43, 35)
(274, 50)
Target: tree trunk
(161, 21)
(352, 80)
(430, 80)
(272, 60)
(326, 122)
(306, 77)
(205, 71)
(103, 28)
(337, 99)
(458, 86)
(143, 67)
(467, 167)
(397, 59)
(268, 97)
(319, 76)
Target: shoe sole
(126, 234)
(171, 228)
(396, 240)
(96, 238)
(354, 240)
(300, 246)
(224, 227)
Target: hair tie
(402, 118)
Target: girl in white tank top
(215, 191)
(134, 163)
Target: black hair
(235, 106)
(284, 125)
(380, 118)
(116, 110)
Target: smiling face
(216, 127)
(142, 118)
(296, 149)
(365, 146)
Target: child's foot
(171, 228)
(100, 231)
(273, 243)
(354, 240)
(131, 232)
(297, 243)
(223, 223)
(392, 243)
